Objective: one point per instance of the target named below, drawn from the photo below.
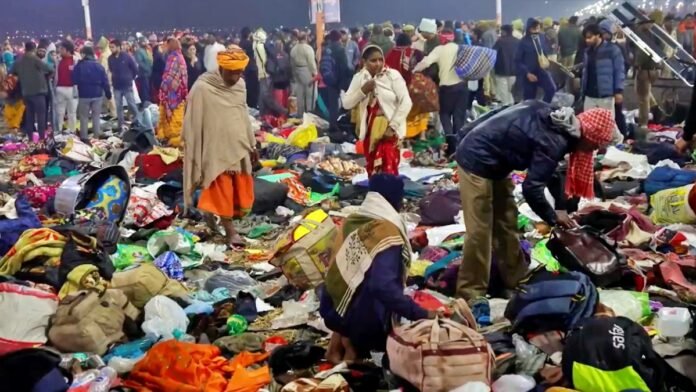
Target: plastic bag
(630, 304)
(124, 365)
(163, 317)
(175, 240)
(542, 255)
(169, 263)
(309, 118)
(514, 383)
(234, 281)
(672, 206)
(127, 255)
(303, 135)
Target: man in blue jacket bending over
(532, 136)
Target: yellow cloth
(169, 130)
(33, 243)
(169, 155)
(85, 276)
(233, 59)
(13, 113)
(416, 124)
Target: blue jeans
(130, 101)
(529, 89)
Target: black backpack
(603, 351)
(551, 301)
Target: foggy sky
(114, 15)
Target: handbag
(588, 251)
(304, 261)
(439, 355)
(543, 60)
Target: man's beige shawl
(217, 132)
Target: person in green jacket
(568, 39)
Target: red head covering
(597, 126)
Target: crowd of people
(206, 86)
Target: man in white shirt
(211, 51)
(454, 94)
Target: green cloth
(588, 378)
(316, 197)
(276, 177)
(542, 254)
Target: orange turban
(233, 59)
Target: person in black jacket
(532, 136)
(251, 73)
(687, 139)
(506, 46)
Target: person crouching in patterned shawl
(219, 144)
(364, 285)
(172, 95)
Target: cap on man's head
(428, 26)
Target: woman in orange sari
(404, 58)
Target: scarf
(597, 126)
(174, 88)
(211, 145)
(376, 227)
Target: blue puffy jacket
(521, 137)
(610, 71)
(664, 177)
(90, 78)
(527, 56)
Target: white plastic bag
(163, 316)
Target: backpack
(551, 301)
(88, 321)
(616, 354)
(143, 281)
(327, 69)
(424, 94)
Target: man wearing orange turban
(219, 152)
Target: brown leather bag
(587, 251)
(439, 355)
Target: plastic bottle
(673, 323)
(103, 382)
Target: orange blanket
(188, 367)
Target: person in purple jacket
(364, 286)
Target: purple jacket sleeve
(385, 281)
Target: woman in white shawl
(383, 103)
